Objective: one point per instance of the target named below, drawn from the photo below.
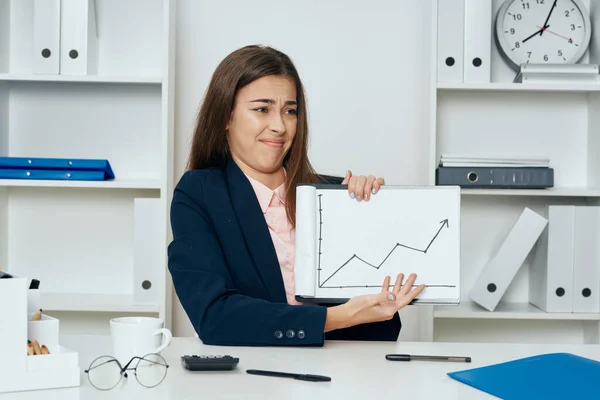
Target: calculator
(209, 362)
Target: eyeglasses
(106, 372)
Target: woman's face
(262, 125)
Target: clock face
(543, 31)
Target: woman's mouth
(273, 143)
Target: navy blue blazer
(226, 273)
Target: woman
(233, 217)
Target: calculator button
(278, 334)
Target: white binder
(551, 271)
(586, 261)
(478, 41)
(46, 37)
(79, 38)
(451, 18)
(147, 261)
(494, 279)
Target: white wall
(366, 69)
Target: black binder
(496, 177)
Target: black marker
(301, 377)
(35, 284)
(409, 357)
(5, 275)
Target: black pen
(301, 377)
(411, 357)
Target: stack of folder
(564, 268)
(73, 169)
(564, 275)
(495, 172)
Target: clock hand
(535, 34)
(554, 33)
(548, 18)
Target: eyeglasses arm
(104, 363)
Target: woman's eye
(293, 112)
(261, 109)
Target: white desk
(358, 370)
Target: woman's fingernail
(373, 190)
(352, 195)
(391, 296)
(347, 171)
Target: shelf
(522, 87)
(471, 310)
(551, 192)
(81, 78)
(116, 184)
(93, 302)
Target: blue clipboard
(55, 169)
(546, 376)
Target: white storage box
(62, 358)
(13, 327)
(19, 371)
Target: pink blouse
(272, 204)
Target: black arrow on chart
(444, 223)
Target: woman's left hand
(362, 187)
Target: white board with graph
(345, 248)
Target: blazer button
(301, 334)
(290, 333)
(278, 334)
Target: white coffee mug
(138, 336)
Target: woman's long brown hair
(238, 69)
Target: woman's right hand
(374, 307)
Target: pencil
(36, 348)
(37, 316)
(45, 349)
(29, 349)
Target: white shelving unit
(77, 237)
(560, 121)
(581, 192)
(110, 303)
(111, 184)
(515, 311)
(519, 87)
(84, 79)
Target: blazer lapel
(255, 231)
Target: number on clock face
(543, 31)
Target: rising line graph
(443, 224)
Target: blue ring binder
(55, 168)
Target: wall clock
(542, 31)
